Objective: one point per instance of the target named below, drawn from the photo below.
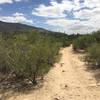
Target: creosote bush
(32, 60)
(91, 45)
(29, 55)
(3, 56)
(83, 42)
(93, 55)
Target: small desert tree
(83, 42)
(93, 55)
(32, 60)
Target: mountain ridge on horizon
(11, 27)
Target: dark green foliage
(91, 44)
(29, 55)
(83, 42)
(97, 36)
(3, 56)
(93, 55)
(32, 59)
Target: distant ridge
(11, 27)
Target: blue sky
(70, 16)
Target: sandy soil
(68, 80)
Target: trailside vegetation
(93, 55)
(91, 45)
(30, 55)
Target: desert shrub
(96, 35)
(93, 55)
(83, 42)
(3, 56)
(29, 55)
(32, 59)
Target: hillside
(10, 27)
(13, 28)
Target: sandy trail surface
(68, 80)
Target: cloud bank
(84, 18)
(16, 18)
(9, 1)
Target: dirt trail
(69, 80)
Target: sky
(69, 16)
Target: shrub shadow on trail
(95, 70)
(11, 87)
(92, 68)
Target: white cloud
(6, 1)
(92, 3)
(83, 14)
(69, 26)
(21, 0)
(10, 1)
(87, 14)
(18, 0)
(55, 10)
(72, 25)
(60, 22)
(16, 18)
(18, 14)
(93, 16)
(75, 26)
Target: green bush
(97, 36)
(3, 56)
(32, 58)
(30, 55)
(93, 55)
(83, 42)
